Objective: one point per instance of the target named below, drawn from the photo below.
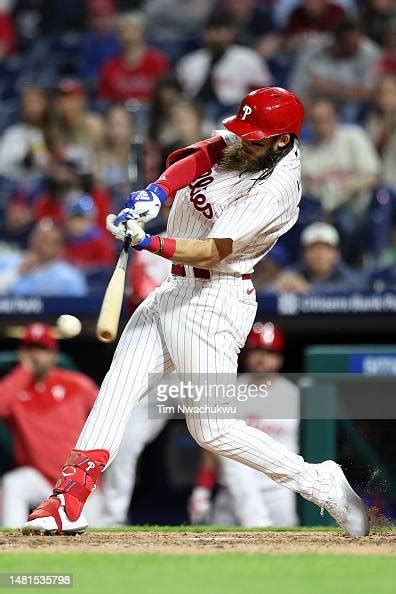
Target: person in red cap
(43, 406)
(233, 195)
(247, 497)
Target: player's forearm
(202, 253)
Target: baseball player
(42, 404)
(234, 195)
(248, 497)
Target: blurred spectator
(100, 42)
(312, 20)
(375, 16)
(187, 125)
(160, 133)
(387, 63)
(282, 9)
(174, 122)
(381, 125)
(221, 73)
(23, 146)
(322, 269)
(167, 92)
(254, 22)
(73, 126)
(16, 225)
(340, 166)
(42, 405)
(174, 26)
(40, 271)
(132, 74)
(112, 166)
(29, 19)
(35, 18)
(67, 177)
(256, 28)
(50, 39)
(269, 268)
(7, 36)
(87, 246)
(340, 70)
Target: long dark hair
(272, 158)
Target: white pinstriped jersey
(225, 204)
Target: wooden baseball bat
(109, 317)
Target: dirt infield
(202, 542)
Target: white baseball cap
(320, 233)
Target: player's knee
(209, 434)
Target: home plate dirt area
(188, 541)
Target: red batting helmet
(267, 112)
(265, 337)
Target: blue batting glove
(144, 206)
(147, 195)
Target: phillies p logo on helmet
(247, 110)
(267, 112)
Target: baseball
(68, 326)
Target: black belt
(179, 270)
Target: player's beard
(236, 158)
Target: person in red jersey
(133, 74)
(42, 405)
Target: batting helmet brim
(245, 130)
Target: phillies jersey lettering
(198, 198)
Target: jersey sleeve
(211, 147)
(186, 164)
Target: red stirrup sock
(79, 475)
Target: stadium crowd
(80, 79)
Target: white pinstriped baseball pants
(198, 327)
